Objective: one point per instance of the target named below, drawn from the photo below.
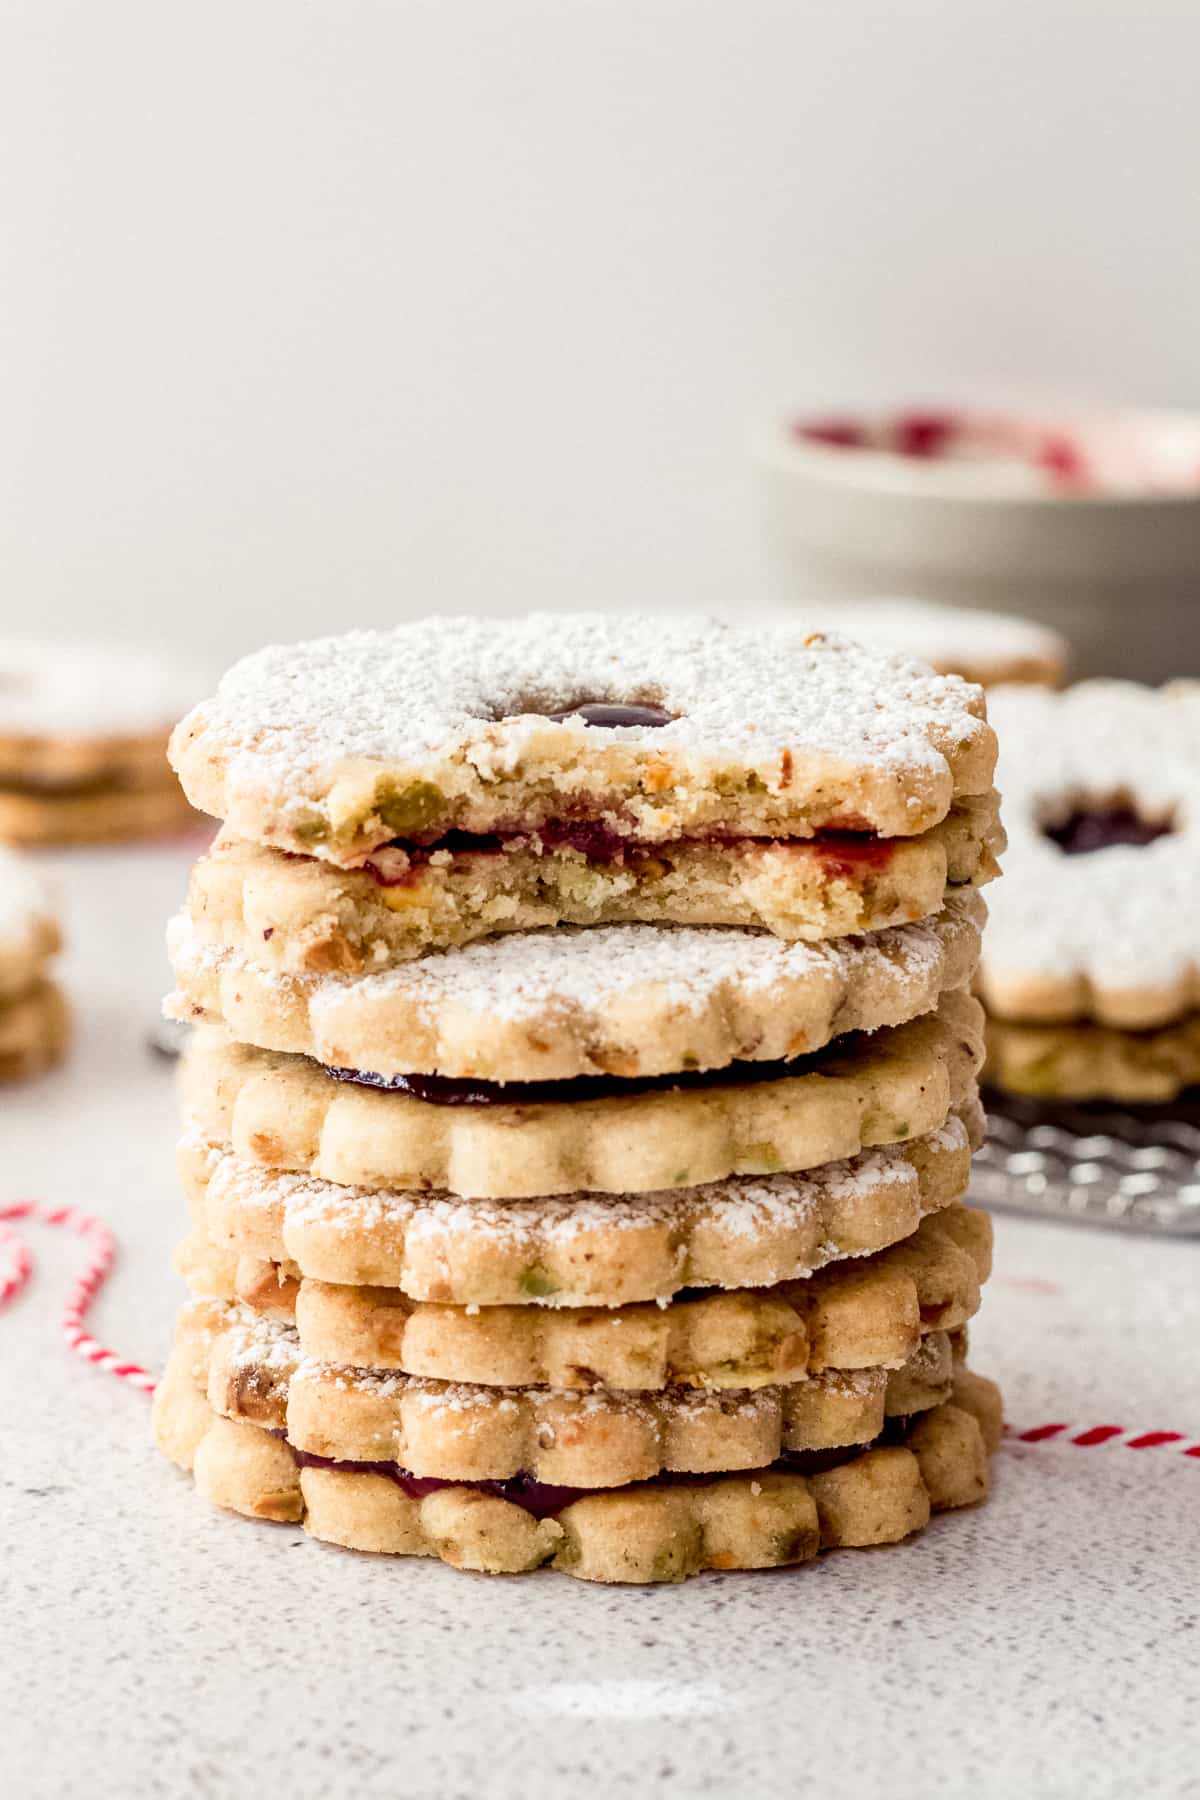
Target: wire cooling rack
(1132, 1169)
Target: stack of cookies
(1091, 965)
(83, 737)
(34, 1020)
(583, 1094)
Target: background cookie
(83, 733)
(981, 646)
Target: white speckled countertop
(1046, 1645)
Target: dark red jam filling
(543, 1499)
(842, 851)
(450, 1090)
(1100, 828)
(610, 714)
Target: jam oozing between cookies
(543, 1499)
(446, 1090)
(1103, 828)
(843, 852)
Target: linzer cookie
(861, 1314)
(625, 1000)
(83, 732)
(299, 915)
(649, 731)
(602, 1438)
(607, 1134)
(34, 1021)
(580, 1249)
(1091, 963)
(662, 1530)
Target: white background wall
(321, 311)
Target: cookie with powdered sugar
(607, 1134)
(622, 1000)
(870, 1313)
(596, 728)
(459, 1431)
(981, 646)
(655, 1531)
(1096, 919)
(300, 916)
(578, 1249)
(76, 712)
(83, 736)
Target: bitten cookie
(298, 915)
(648, 730)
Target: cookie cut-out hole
(1102, 827)
(610, 714)
(637, 709)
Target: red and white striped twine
(1109, 1434)
(16, 1266)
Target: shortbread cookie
(93, 815)
(654, 729)
(624, 1000)
(29, 932)
(600, 1439)
(866, 1314)
(299, 915)
(33, 1032)
(1094, 1062)
(76, 713)
(1097, 919)
(583, 1249)
(287, 1112)
(984, 647)
(657, 1531)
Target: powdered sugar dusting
(289, 715)
(517, 976)
(740, 1207)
